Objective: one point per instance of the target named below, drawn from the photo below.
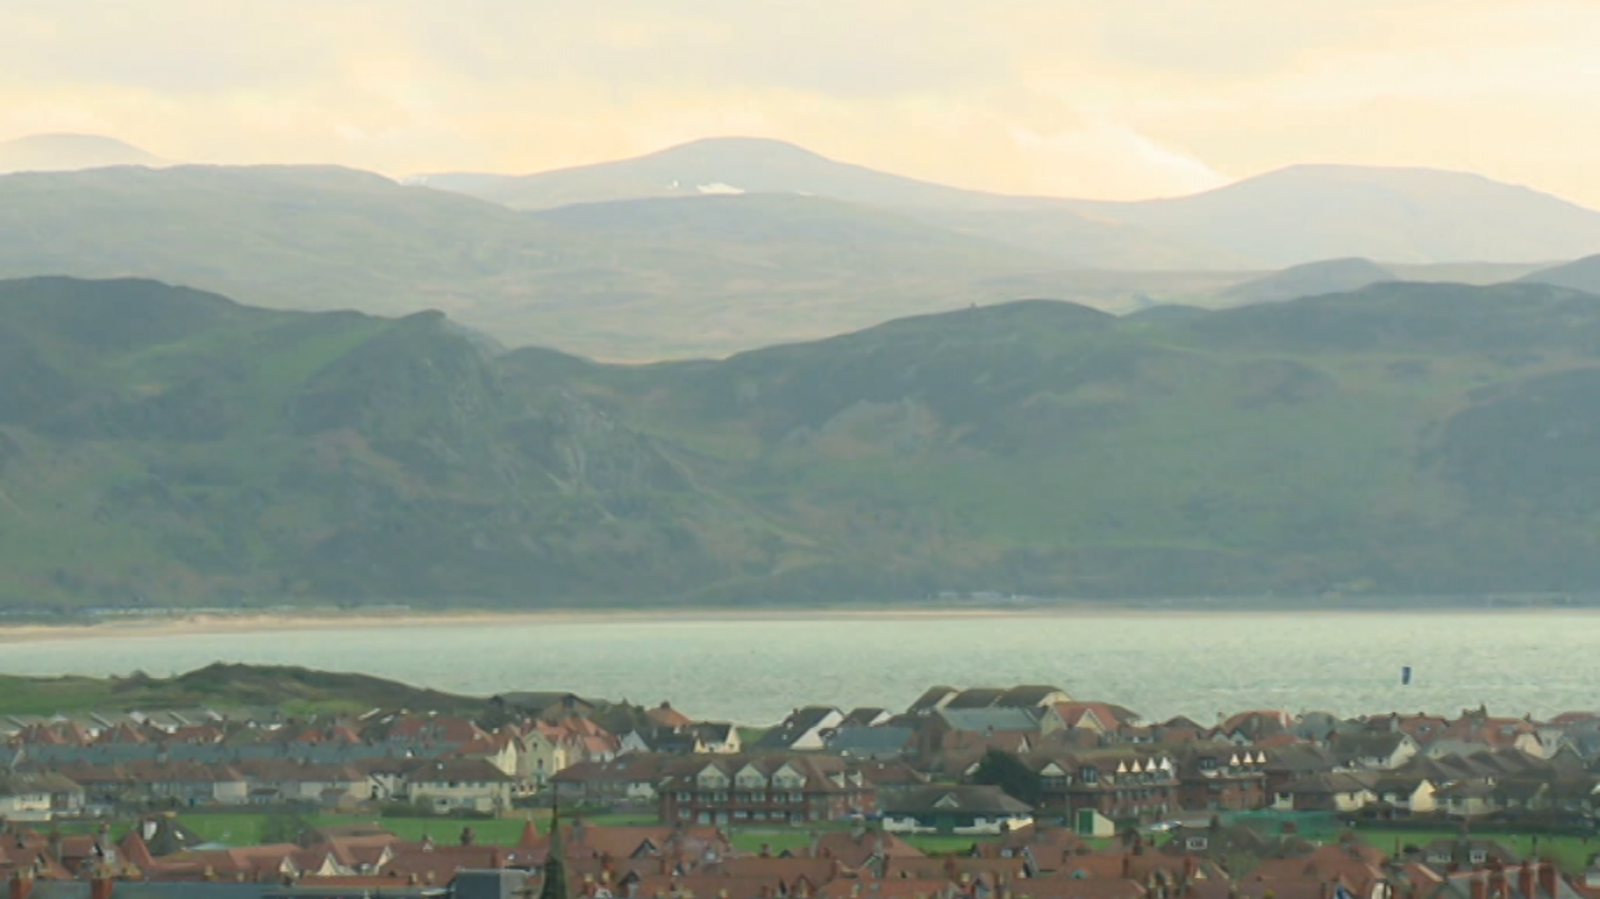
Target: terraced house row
(1095, 764)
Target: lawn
(247, 828)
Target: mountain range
(1287, 217)
(161, 446)
(606, 283)
(689, 274)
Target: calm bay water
(754, 670)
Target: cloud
(1136, 98)
(1107, 159)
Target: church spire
(555, 863)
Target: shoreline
(218, 623)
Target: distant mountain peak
(68, 152)
(1323, 276)
(738, 144)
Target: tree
(1001, 769)
(285, 825)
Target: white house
(804, 729)
(447, 784)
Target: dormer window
(1089, 775)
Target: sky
(1113, 99)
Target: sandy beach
(212, 623)
(311, 619)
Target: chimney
(1549, 879)
(101, 887)
(1479, 888)
(21, 884)
(1525, 880)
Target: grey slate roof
(871, 742)
(984, 719)
(968, 799)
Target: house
(1032, 696)
(1229, 844)
(776, 789)
(866, 717)
(629, 779)
(664, 740)
(503, 749)
(535, 704)
(892, 777)
(988, 719)
(1373, 751)
(1528, 880)
(189, 783)
(1254, 725)
(1042, 848)
(1468, 798)
(544, 752)
(664, 715)
(971, 809)
(1333, 792)
(878, 742)
(278, 780)
(1466, 853)
(1028, 698)
(718, 737)
(1098, 717)
(1290, 763)
(804, 730)
(1119, 784)
(1401, 795)
(1221, 777)
(932, 700)
(38, 797)
(952, 739)
(448, 784)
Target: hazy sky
(1102, 98)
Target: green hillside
(224, 686)
(1581, 274)
(161, 446)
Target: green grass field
(1571, 853)
(247, 828)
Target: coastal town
(977, 793)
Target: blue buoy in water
(1405, 676)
